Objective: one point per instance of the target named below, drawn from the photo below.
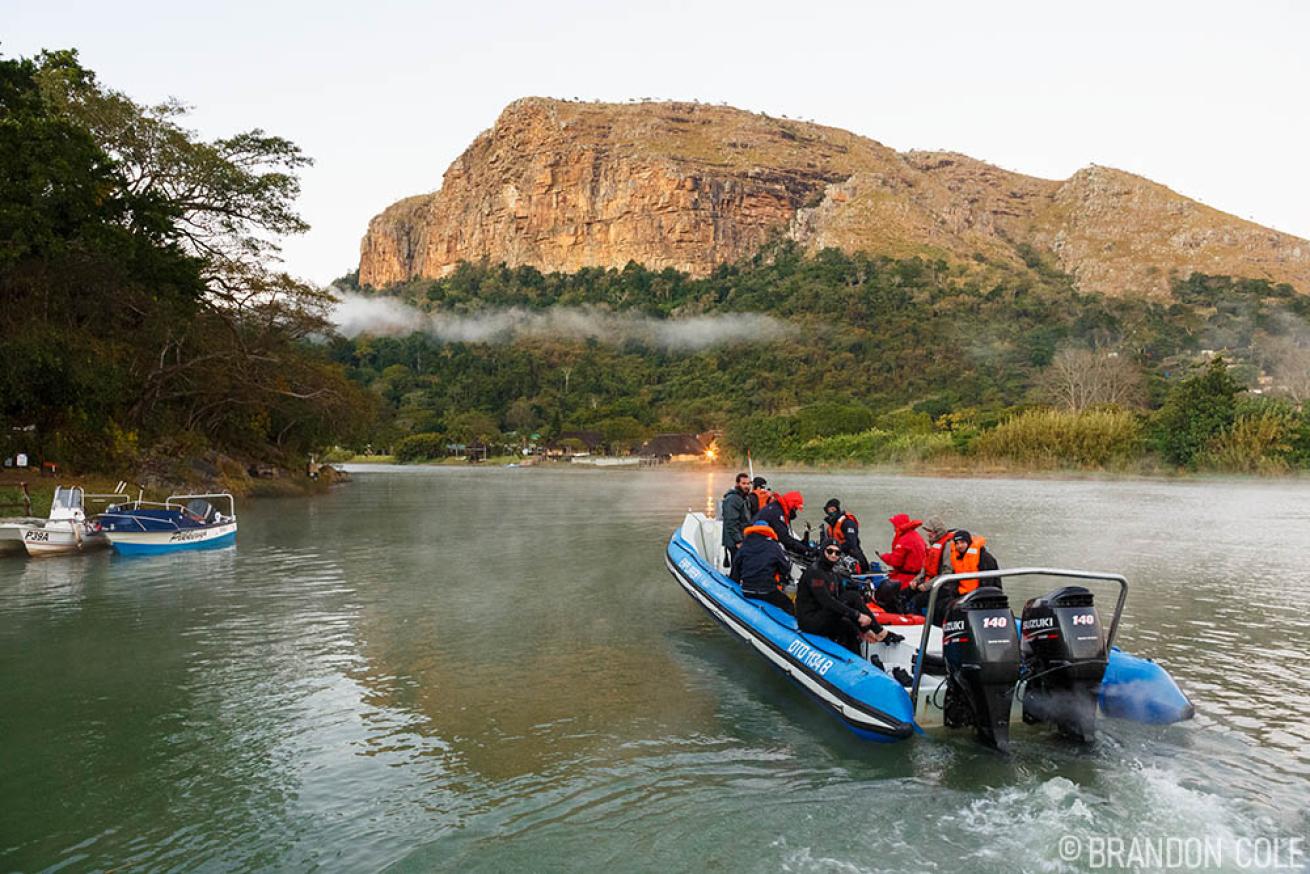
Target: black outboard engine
(1063, 661)
(981, 648)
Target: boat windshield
(66, 499)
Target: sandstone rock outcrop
(562, 185)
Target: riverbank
(155, 481)
(957, 469)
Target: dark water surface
(491, 670)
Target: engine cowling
(980, 646)
(1064, 659)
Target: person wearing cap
(778, 515)
(904, 563)
(938, 559)
(844, 530)
(759, 496)
(822, 607)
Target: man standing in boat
(735, 515)
(844, 529)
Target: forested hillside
(886, 361)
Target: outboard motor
(1063, 661)
(981, 649)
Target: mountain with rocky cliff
(560, 185)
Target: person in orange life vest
(779, 514)
(759, 496)
(844, 530)
(937, 561)
(969, 553)
(904, 563)
(762, 567)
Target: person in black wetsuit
(823, 608)
(762, 567)
(845, 529)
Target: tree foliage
(1198, 409)
(137, 267)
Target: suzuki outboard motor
(981, 648)
(1063, 661)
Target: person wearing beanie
(844, 530)
(969, 553)
(759, 496)
(938, 560)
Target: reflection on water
(486, 669)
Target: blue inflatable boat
(982, 668)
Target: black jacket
(850, 529)
(761, 565)
(775, 517)
(735, 515)
(817, 597)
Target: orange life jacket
(835, 530)
(766, 530)
(962, 564)
(764, 496)
(932, 564)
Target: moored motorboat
(11, 533)
(180, 522)
(982, 669)
(66, 529)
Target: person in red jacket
(904, 562)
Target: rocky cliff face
(560, 186)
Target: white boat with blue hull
(180, 522)
(1052, 664)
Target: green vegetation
(141, 301)
(145, 323)
(1102, 438)
(891, 362)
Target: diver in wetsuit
(823, 608)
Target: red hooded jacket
(908, 550)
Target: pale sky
(1209, 98)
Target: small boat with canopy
(66, 530)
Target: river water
(492, 670)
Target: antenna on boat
(122, 484)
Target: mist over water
(359, 314)
(491, 670)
